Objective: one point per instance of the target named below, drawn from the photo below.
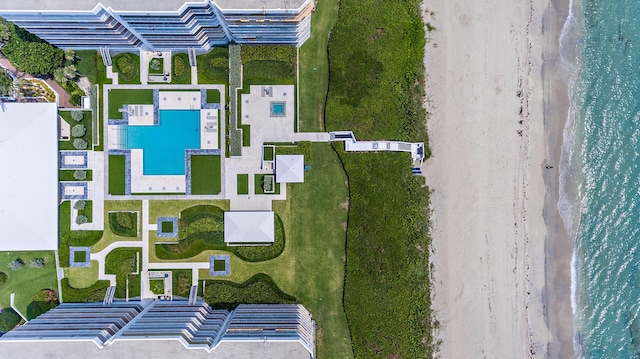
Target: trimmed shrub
(179, 67)
(3, 278)
(259, 289)
(77, 115)
(8, 319)
(80, 144)
(155, 64)
(124, 224)
(80, 205)
(16, 264)
(36, 263)
(82, 219)
(80, 175)
(78, 130)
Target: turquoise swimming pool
(163, 146)
(277, 109)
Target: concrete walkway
(95, 194)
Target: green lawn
(267, 153)
(167, 227)
(67, 175)
(80, 277)
(86, 64)
(26, 281)
(213, 96)
(122, 262)
(79, 256)
(117, 173)
(119, 97)
(180, 69)
(108, 236)
(205, 174)
(87, 211)
(213, 67)
(127, 65)
(219, 265)
(243, 183)
(86, 121)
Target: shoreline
(500, 252)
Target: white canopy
(248, 227)
(290, 168)
(29, 177)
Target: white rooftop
(249, 227)
(29, 179)
(289, 168)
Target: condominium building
(157, 25)
(165, 329)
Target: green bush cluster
(78, 130)
(126, 65)
(6, 83)
(30, 53)
(8, 319)
(180, 66)
(203, 225)
(80, 144)
(124, 224)
(82, 219)
(269, 53)
(214, 66)
(42, 302)
(259, 289)
(16, 264)
(77, 115)
(80, 175)
(155, 65)
(376, 75)
(122, 262)
(3, 278)
(94, 293)
(80, 204)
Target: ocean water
(600, 175)
(163, 146)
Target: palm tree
(59, 75)
(69, 72)
(69, 55)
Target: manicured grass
(259, 189)
(180, 69)
(167, 227)
(219, 265)
(205, 174)
(26, 281)
(259, 289)
(109, 237)
(267, 153)
(314, 67)
(213, 96)
(246, 135)
(80, 277)
(86, 121)
(94, 293)
(201, 228)
(127, 65)
(157, 286)
(79, 256)
(243, 183)
(268, 73)
(67, 175)
(376, 89)
(86, 64)
(181, 282)
(119, 97)
(87, 211)
(124, 223)
(117, 171)
(213, 67)
(122, 262)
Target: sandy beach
(497, 110)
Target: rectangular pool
(163, 146)
(277, 109)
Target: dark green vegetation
(267, 153)
(67, 175)
(167, 227)
(242, 183)
(124, 224)
(119, 97)
(268, 65)
(376, 89)
(36, 272)
(205, 174)
(157, 286)
(181, 282)
(259, 289)
(43, 301)
(30, 53)
(213, 96)
(79, 256)
(180, 69)
(123, 262)
(3, 278)
(219, 265)
(6, 83)
(87, 211)
(117, 170)
(201, 228)
(127, 65)
(213, 67)
(8, 319)
(259, 184)
(86, 122)
(299, 148)
(94, 293)
(156, 66)
(87, 64)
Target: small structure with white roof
(289, 168)
(249, 228)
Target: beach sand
(497, 112)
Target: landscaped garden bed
(124, 223)
(81, 130)
(127, 65)
(213, 67)
(125, 263)
(157, 286)
(156, 66)
(181, 71)
(262, 181)
(259, 289)
(94, 293)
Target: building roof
(144, 5)
(29, 179)
(249, 227)
(290, 168)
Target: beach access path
(485, 175)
